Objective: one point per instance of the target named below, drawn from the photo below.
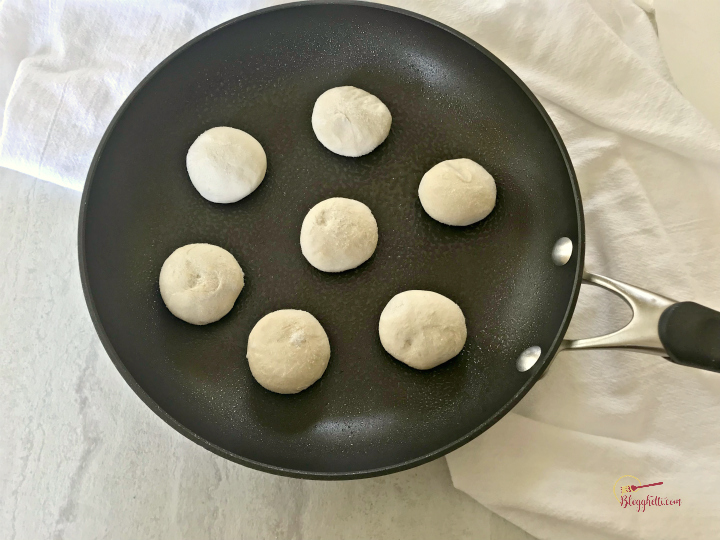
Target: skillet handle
(691, 335)
(685, 333)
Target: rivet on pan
(528, 357)
(562, 251)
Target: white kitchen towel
(649, 168)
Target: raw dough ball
(422, 328)
(350, 122)
(338, 234)
(457, 192)
(226, 164)
(199, 283)
(288, 350)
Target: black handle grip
(691, 335)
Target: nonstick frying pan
(516, 274)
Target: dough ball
(338, 234)
(288, 350)
(199, 283)
(350, 122)
(226, 164)
(423, 329)
(457, 192)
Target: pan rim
(339, 475)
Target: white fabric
(77, 61)
(689, 34)
(649, 168)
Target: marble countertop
(84, 458)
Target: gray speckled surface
(84, 458)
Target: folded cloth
(648, 164)
(76, 63)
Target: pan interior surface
(369, 414)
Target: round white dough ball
(288, 350)
(350, 122)
(423, 329)
(226, 164)
(199, 283)
(338, 234)
(457, 192)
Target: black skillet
(369, 414)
